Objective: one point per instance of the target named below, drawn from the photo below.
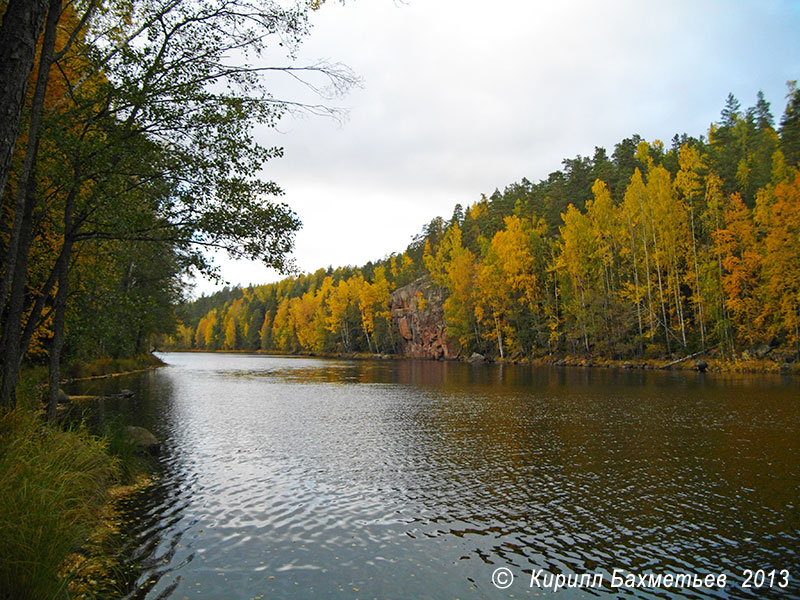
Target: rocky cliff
(418, 315)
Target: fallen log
(691, 356)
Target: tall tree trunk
(366, 335)
(726, 338)
(26, 179)
(15, 275)
(555, 310)
(663, 304)
(37, 316)
(678, 303)
(62, 273)
(10, 346)
(698, 302)
(499, 336)
(660, 284)
(19, 32)
(58, 332)
(651, 312)
(636, 286)
(583, 316)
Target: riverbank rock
(418, 314)
(761, 350)
(701, 366)
(476, 358)
(144, 441)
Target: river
(293, 477)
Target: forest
(655, 251)
(132, 146)
(133, 141)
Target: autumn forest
(655, 251)
(136, 146)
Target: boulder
(144, 441)
(477, 357)
(701, 366)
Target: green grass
(54, 488)
(53, 484)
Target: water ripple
(305, 478)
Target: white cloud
(462, 97)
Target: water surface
(308, 478)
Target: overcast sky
(462, 97)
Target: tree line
(651, 252)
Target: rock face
(418, 315)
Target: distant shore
(712, 364)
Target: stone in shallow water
(144, 440)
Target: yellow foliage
(737, 244)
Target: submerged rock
(144, 440)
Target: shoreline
(111, 375)
(688, 363)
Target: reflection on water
(306, 478)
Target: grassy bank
(54, 484)
(58, 524)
